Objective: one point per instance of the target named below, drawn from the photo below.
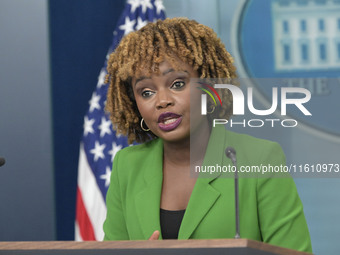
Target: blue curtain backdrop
(80, 35)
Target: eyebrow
(140, 79)
(164, 73)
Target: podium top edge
(141, 244)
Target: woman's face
(164, 101)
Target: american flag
(100, 143)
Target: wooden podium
(167, 247)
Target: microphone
(2, 161)
(231, 153)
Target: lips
(169, 121)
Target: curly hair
(169, 39)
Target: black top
(170, 223)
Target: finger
(154, 236)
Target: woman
(152, 193)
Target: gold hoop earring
(141, 125)
(213, 109)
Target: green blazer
(270, 208)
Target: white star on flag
(106, 176)
(105, 127)
(101, 78)
(115, 149)
(128, 25)
(98, 151)
(134, 4)
(159, 6)
(141, 23)
(94, 102)
(145, 5)
(88, 126)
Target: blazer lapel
(147, 201)
(204, 196)
(202, 199)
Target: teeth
(169, 121)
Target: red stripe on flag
(84, 223)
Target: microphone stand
(231, 153)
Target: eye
(147, 93)
(178, 85)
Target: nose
(163, 100)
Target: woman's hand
(154, 236)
